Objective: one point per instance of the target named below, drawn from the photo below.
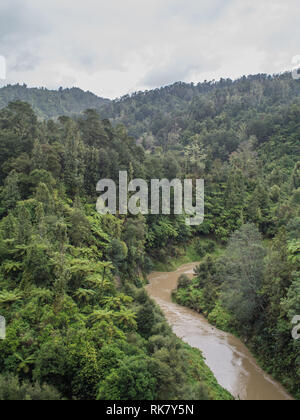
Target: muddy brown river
(229, 359)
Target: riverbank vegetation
(252, 291)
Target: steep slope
(170, 116)
(51, 103)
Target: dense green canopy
(79, 324)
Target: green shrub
(220, 317)
(183, 282)
(204, 247)
(11, 389)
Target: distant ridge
(51, 103)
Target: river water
(229, 359)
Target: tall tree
(242, 268)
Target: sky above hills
(119, 46)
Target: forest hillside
(80, 324)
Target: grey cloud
(196, 12)
(179, 68)
(115, 47)
(166, 76)
(20, 23)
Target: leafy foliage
(70, 279)
(75, 320)
(50, 104)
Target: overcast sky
(114, 47)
